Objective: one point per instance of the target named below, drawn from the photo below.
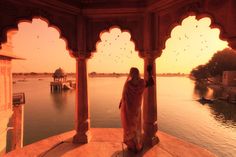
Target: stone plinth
(107, 142)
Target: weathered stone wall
(5, 100)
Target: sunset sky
(191, 44)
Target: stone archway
(82, 105)
(41, 60)
(14, 12)
(81, 29)
(122, 32)
(191, 43)
(30, 20)
(215, 10)
(115, 55)
(149, 22)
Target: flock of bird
(115, 50)
(125, 51)
(203, 43)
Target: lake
(212, 126)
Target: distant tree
(224, 60)
(33, 73)
(93, 73)
(200, 72)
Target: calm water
(212, 126)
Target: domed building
(60, 81)
(59, 75)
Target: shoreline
(93, 75)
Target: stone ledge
(107, 142)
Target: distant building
(60, 81)
(59, 75)
(229, 78)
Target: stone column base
(150, 141)
(81, 138)
(150, 137)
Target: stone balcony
(107, 142)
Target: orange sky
(191, 44)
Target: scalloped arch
(198, 16)
(29, 20)
(108, 30)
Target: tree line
(224, 60)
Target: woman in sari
(130, 106)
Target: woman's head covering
(134, 72)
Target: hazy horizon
(91, 72)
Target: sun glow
(115, 53)
(41, 46)
(191, 44)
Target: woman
(130, 106)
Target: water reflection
(200, 89)
(221, 110)
(211, 126)
(60, 99)
(224, 112)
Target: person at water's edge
(130, 107)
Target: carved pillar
(82, 118)
(150, 101)
(150, 126)
(5, 100)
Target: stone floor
(107, 142)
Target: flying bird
(186, 36)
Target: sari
(130, 107)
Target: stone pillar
(150, 126)
(5, 100)
(17, 124)
(82, 118)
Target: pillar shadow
(60, 149)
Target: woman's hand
(149, 70)
(151, 81)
